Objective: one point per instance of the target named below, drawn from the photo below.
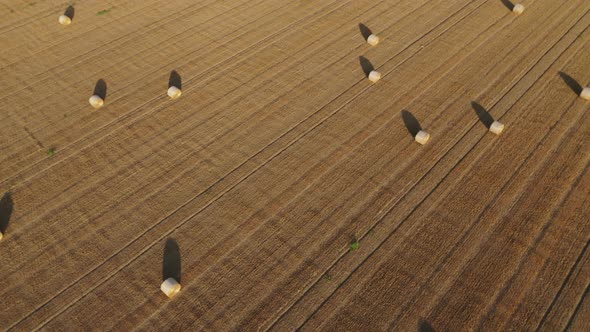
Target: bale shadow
(171, 265)
(100, 89)
(412, 124)
(508, 4)
(366, 65)
(365, 31)
(571, 82)
(70, 11)
(175, 80)
(424, 326)
(6, 208)
(484, 116)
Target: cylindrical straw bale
(170, 287)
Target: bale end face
(374, 76)
(170, 287)
(96, 101)
(373, 40)
(1, 236)
(585, 94)
(518, 9)
(64, 20)
(497, 127)
(174, 92)
(422, 137)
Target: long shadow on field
(571, 82)
(484, 116)
(6, 207)
(175, 80)
(70, 11)
(366, 65)
(365, 31)
(508, 4)
(100, 89)
(171, 267)
(424, 326)
(411, 123)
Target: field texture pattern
(283, 189)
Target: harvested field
(282, 188)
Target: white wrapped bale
(373, 40)
(585, 94)
(174, 92)
(96, 101)
(170, 287)
(497, 127)
(422, 137)
(518, 9)
(374, 76)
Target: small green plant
(104, 12)
(328, 277)
(51, 152)
(355, 245)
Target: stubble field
(289, 186)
